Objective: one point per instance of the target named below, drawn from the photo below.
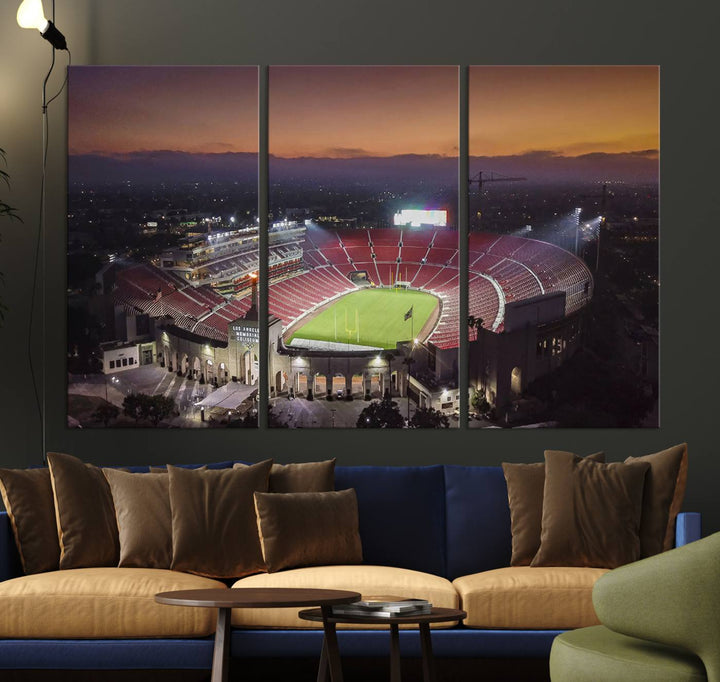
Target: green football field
(371, 317)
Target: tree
(159, 407)
(429, 418)
(153, 408)
(133, 406)
(381, 414)
(475, 323)
(588, 391)
(480, 403)
(105, 413)
(11, 213)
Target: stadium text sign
(245, 333)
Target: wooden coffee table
(331, 653)
(257, 598)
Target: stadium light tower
(603, 196)
(577, 213)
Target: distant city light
(418, 217)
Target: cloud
(346, 152)
(210, 147)
(638, 154)
(538, 154)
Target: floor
(305, 670)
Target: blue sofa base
(196, 654)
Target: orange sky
(326, 111)
(570, 110)
(345, 111)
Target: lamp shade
(30, 14)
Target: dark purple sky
(120, 109)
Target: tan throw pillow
(142, 508)
(301, 477)
(214, 532)
(28, 498)
(308, 529)
(85, 515)
(663, 498)
(591, 512)
(525, 484)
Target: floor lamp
(30, 14)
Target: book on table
(383, 607)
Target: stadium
(518, 287)
(358, 312)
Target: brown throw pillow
(308, 529)
(28, 498)
(301, 477)
(525, 484)
(214, 532)
(591, 512)
(84, 511)
(163, 469)
(144, 519)
(663, 498)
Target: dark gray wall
(683, 41)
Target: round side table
(259, 598)
(330, 648)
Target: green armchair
(661, 622)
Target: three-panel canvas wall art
(365, 266)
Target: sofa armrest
(10, 566)
(672, 598)
(688, 528)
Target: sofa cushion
(142, 509)
(478, 520)
(214, 530)
(591, 512)
(300, 477)
(99, 603)
(528, 598)
(526, 485)
(28, 498)
(85, 514)
(662, 498)
(370, 581)
(308, 529)
(402, 514)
